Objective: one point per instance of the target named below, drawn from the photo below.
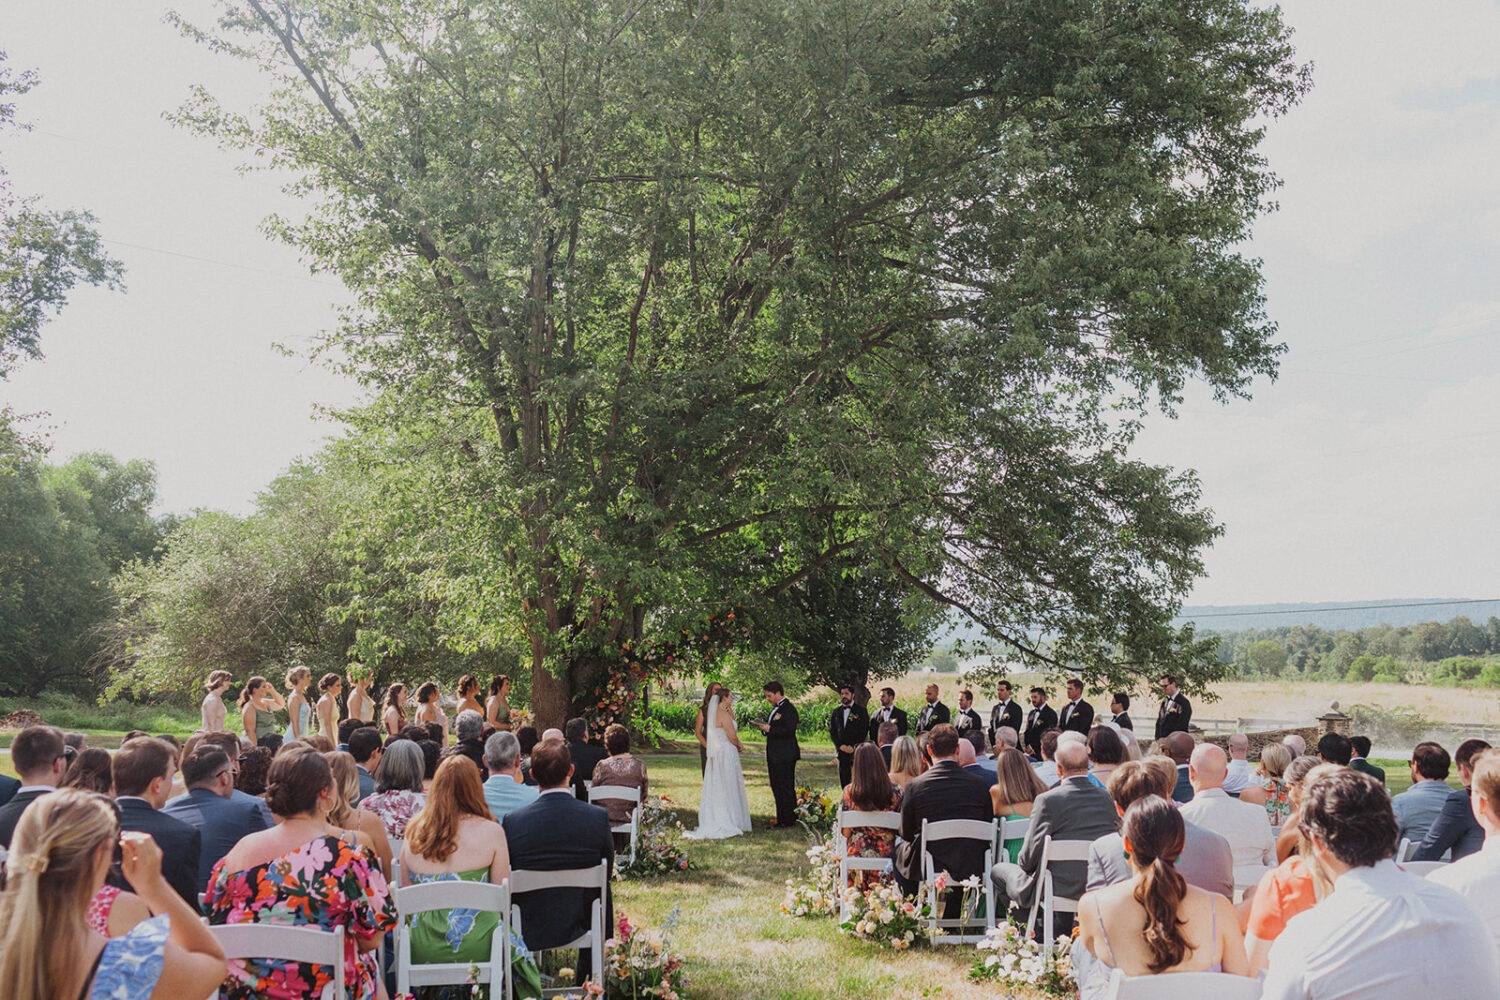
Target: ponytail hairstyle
(54, 873)
(1153, 827)
(216, 678)
(251, 686)
(294, 675)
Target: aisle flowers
(815, 813)
(639, 964)
(815, 894)
(882, 915)
(658, 850)
(1008, 956)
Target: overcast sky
(1367, 470)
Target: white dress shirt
(1245, 827)
(1240, 777)
(1477, 879)
(1383, 933)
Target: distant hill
(1337, 614)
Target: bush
(1386, 679)
(812, 716)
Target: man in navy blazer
(37, 754)
(209, 807)
(143, 770)
(558, 832)
(1455, 828)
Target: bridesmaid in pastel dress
(213, 710)
(299, 709)
(430, 709)
(360, 704)
(497, 706)
(259, 702)
(328, 711)
(395, 709)
(468, 696)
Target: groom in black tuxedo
(782, 754)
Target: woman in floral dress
(870, 790)
(1274, 791)
(398, 787)
(302, 872)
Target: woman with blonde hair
(258, 705)
(367, 827)
(328, 711)
(1296, 884)
(59, 857)
(1289, 840)
(213, 711)
(1272, 792)
(906, 761)
(299, 709)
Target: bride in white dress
(725, 809)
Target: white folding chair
(880, 820)
(964, 925)
(1045, 895)
(1422, 868)
(1404, 849)
(293, 944)
(1009, 828)
(1183, 986)
(452, 895)
(631, 795)
(397, 846)
(596, 878)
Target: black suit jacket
(10, 813)
(1173, 720)
(1010, 714)
(8, 788)
(931, 716)
(885, 752)
(896, 714)
(781, 741)
(1455, 829)
(1038, 721)
(1123, 721)
(219, 821)
(851, 733)
(586, 757)
(181, 846)
(1079, 720)
(968, 720)
(944, 791)
(553, 833)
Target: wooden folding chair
(958, 829)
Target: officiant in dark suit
(782, 754)
(847, 727)
(1007, 711)
(887, 712)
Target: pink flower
(941, 882)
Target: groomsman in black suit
(933, 714)
(967, 721)
(1077, 715)
(888, 712)
(1007, 712)
(1175, 712)
(782, 754)
(1040, 719)
(1119, 708)
(143, 770)
(847, 728)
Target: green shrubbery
(812, 715)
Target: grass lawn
(731, 932)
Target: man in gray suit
(1206, 860)
(1077, 809)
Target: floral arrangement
(641, 964)
(658, 849)
(1008, 956)
(815, 894)
(815, 813)
(883, 915)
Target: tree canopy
(675, 305)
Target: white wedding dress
(725, 808)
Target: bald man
(1241, 775)
(1244, 825)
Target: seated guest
(1419, 806)
(347, 728)
(231, 746)
(619, 768)
(1456, 829)
(906, 761)
(1271, 791)
(1381, 932)
(505, 790)
(944, 791)
(886, 736)
(1295, 885)
(1006, 737)
(1106, 752)
(455, 839)
(1179, 747)
(1241, 776)
(1046, 768)
(1359, 747)
(1119, 710)
(1296, 744)
(37, 755)
(869, 790)
(208, 808)
(1206, 860)
(306, 872)
(529, 738)
(432, 756)
(1334, 748)
(1288, 841)
(363, 826)
(143, 770)
(1477, 875)
(92, 771)
(968, 759)
(1242, 824)
(1155, 923)
(398, 788)
(365, 748)
(255, 769)
(1014, 793)
(558, 832)
(1077, 809)
(466, 729)
(585, 755)
(50, 949)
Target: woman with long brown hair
(1014, 792)
(258, 704)
(430, 710)
(701, 724)
(468, 696)
(456, 839)
(59, 857)
(496, 707)
(395, 709)
(870, 790)
(213, 711)
(1156, 922)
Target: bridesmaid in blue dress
(59, 857)
(298, 708)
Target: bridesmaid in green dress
(455, 837)
(258, 704)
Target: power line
(223, 263)
(1352, 607)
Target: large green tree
(659, 291)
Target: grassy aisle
(731, 933)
